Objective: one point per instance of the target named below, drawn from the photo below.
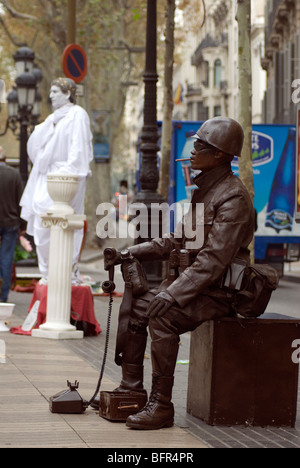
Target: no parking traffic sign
(74, 62)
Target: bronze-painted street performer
(196, 295)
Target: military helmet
(223, 133)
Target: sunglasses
(199, 145)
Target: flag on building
(178, 98)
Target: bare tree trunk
(245, 94)
(168, 102)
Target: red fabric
(19, 331)
(29, 288)
(82, 307)
(115, 294)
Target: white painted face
(58, 98)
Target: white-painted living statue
(61, 144)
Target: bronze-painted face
(204, 156)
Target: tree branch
(16, 14)
(11, 38)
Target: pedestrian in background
(11, 225)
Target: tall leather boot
(133, 362)
(159, 411)
(132, 379)
(132, 366)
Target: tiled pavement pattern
(215, 437)
(38, 368)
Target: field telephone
(112, 405)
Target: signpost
(74, 62)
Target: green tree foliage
(108, 30)
(112, 33)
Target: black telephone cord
(105, 348)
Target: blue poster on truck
(297, 214)
(274, 172)
(182, 144)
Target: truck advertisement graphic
(297, 214)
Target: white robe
(61, 144)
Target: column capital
(63, 221)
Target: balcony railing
(194, 89)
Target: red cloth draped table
(82, 310)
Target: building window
(202, 111)
(205, 74)
(190, 111)
(217, 111)
(217, 72)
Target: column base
(57, 334)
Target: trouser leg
(8, 243)
(42, 243)
(159, 411)
(164, 346)
(134, 351)
(133, 362)
(165, 332)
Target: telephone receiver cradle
(68, 401)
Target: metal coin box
(242, 373)
(117, 406)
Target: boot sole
(150, 428)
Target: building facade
(208, 74)
(205, 73)
(281, 61)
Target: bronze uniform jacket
(228, 230)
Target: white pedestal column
(62, 226)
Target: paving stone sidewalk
(38, 368)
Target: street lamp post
(24, 102)
(149, 172)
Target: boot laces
(153, 400)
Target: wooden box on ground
(242, 372)
(117, 406)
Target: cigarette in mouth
(184, 159)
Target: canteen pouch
(133, 273)
(258, 283)
(234, 276)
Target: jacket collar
(207, 180)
